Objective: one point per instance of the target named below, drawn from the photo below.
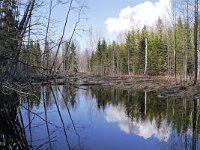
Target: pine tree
(179, 45)
(99, 57)
(8, 38)
(105, 59)
(73, 58)
(128, 49)
(161, 48)
(141, 52)
(131, 51)
(66, 56)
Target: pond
(98, 118)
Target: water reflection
(145, 129)
(174, 122)
(64, 117)
(12, 133)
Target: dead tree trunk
(195, 43)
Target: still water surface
(99, 118)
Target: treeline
(36, 62)
(31, 59)
(129, 57)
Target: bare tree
(74, 31)
(195, 42)
(174, 28)
(146, 57)
(13, 29)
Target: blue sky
(111, 17)
(100, 10)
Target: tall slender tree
(174, 29)
(195, 42)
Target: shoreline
(164, 86)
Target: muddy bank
(164, 86)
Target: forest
(167, 49)
(170, 48)
(25, 57)
(142, 84)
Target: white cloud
(142, 14)
(145, 129)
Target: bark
(174, 27)
(146, 55)
(195, 43)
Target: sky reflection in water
(106, 118)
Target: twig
(21, 92)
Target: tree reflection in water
(50, 118)
(11, 126)
(49, 115)
(147, 115)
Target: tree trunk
(128, 61)
(146, 55)
(174, 27)
(186, 47)
(195, 43)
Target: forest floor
(164, 86)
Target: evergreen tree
(105, 57)
(70, 62)
(179, 45)
(73, 58)
(8, 38)
(99, 57)
(141, 52)
(66, 56)
(129, 57)
(161, 48)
